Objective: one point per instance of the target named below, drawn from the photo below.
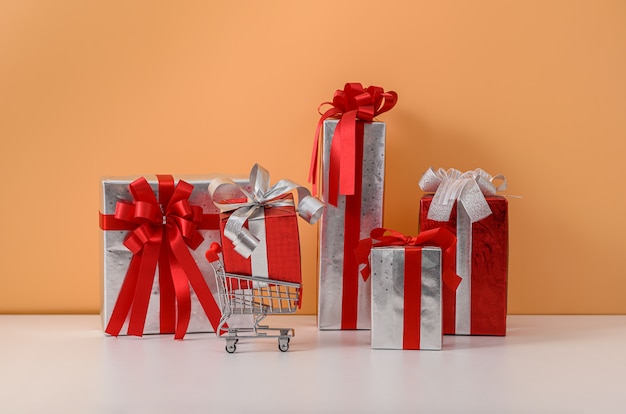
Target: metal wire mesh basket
(253, 295)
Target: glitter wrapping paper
(406, 298)
(344, 297)
(480, 303)
(115, 257)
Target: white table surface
(546, 364)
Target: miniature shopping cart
(253, 295)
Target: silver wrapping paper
(115, 257)
(331, 248)
(388, 313)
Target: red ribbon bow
(440, 237)
(352, 103)
(162, 232)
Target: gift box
(466, 204)
(406, 298)
(277, 256)
(155, 233)
(260, 230)
(352, 177)
(407, 275)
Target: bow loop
(469, 188)
(180, 208)
(146, 211)
(144, 208)
(140, 236)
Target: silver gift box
(115, 257)
(388, 298)
(331, 248)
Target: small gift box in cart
(261, 273)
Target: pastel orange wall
(535, 90)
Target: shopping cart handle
(211, 253)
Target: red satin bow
(352, 103)
(162, 232)
(440, 237)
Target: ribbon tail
(199, 285)
(474, 202)
(315, 158)
(313, 169)
(167, 293)
(183, 299)
(244, 242)
(124, 298)
(145, 280)
(334, 165)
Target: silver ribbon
(469, 188)
(263, 195)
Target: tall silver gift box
(115, 257)
(406, 298)
(344, 297)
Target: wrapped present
(260, 229)
(352, 175)
(155, 233)
(407, 275)
(467, 204)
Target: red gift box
(479, 305)
(278, 254)
(260, 231)
(466, 203)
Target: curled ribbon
(263, 195)
(469, 188)
(440, 237)
(352, 103)
(161, 233)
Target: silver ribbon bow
(222, 189)
(469, 188)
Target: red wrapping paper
(489, 268)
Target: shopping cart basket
(252, 295)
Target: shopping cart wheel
(230, 347)
(283, 344)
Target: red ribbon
(161, 233)
(412, 299)
(440, 237)
(352, 234)
(352, 103)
